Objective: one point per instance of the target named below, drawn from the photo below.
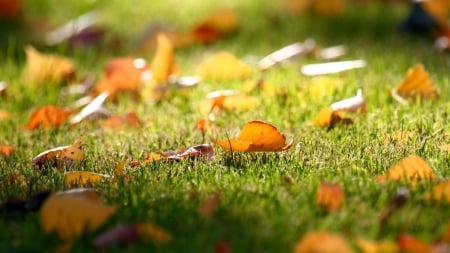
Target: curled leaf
(331, 67)
(330, 196)
(286, 53)
(353, 104)
(257, 136)
(92, 109)
(71, 213)
(48, 116)
(412, 168)
(223, 66)
(322, 241)
(61, 157)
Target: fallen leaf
(48, 116)
(71, 213)
(399, 137)
(151, 232)
(163, 65)
(320, 88)
(6, 150)
(230, 100)
(219, 24)
(223, 66)
(257, 136)
(410, 244)
(123, 74)
(47, 68)
(323, 242)
(367, 246)
(353, 104)
(130, 119)
(202, 150)
(329, 118)
(330, 196)
(416, 84)
(286, 53)
(83, 178)
(209, 207)
(440, 193)
(61, 157)
(94, 109)
(331, 67)
(412, 168)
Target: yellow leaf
(440, 192)
(61, 157)
(439, 9)
(71, 213)
(330, 196)
(155, 234)
(223, 66)
(319, 88)
(329, 118)
(51, 68)
(83, 178)
(257, 136)
(367, 246)
(227, 100)
(412, 168)
(322, 242)
(416, 84)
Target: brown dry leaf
(202, 150)
(257, 136)
(440, 193)
(330, 196)
(322, 242)
(123, 74)
(367, 246)
(130, 119)
(219, 24)
(163, 65)
(6, 150)
(50, 68)
(223, 66)
(4, 115)
(329, 118)
(151, 232)
(209, 207)
(410, 244)
(399, 137)
(416, 84)
(71, 213)
(61, 157)
(83, 178)
(412, 168)
(48, 116)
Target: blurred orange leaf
(223, 66)
(6, 149)
(367, 246)
(328, 7)
(202, 150)
(439, 9)
(48, 116)
(123, 74)
(61, 157)
(329, 118)
(71, 213)
(410, 244)
(209, 207)
(330, 196)
(411, 168)
(50, 68)
(163, 65)
(218, 24)
(322, 241)
(10, 9)
(257, 136)
(83, 178)
(227, 100)
(4, 115)
(440, 192)
(416, 84)
(116, 121)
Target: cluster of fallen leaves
(71, 213)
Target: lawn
(267, 199)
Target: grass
(258, 211)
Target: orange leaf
(83, 178)
(129, 119)
(416, 84)
(61, 157)
(51, 68)
(257, 136)
(367, 246)
(163, 65)
(411, 168)
(48, 116)
(6, 149)
(227, 100)
(321, 241)
(330, 196)
(410, 244)
(122, 74)
(328, 7)
(329, 118)
(223, 66)
(440, 192)
(208, 208)
(218, 24)
(71, 213)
